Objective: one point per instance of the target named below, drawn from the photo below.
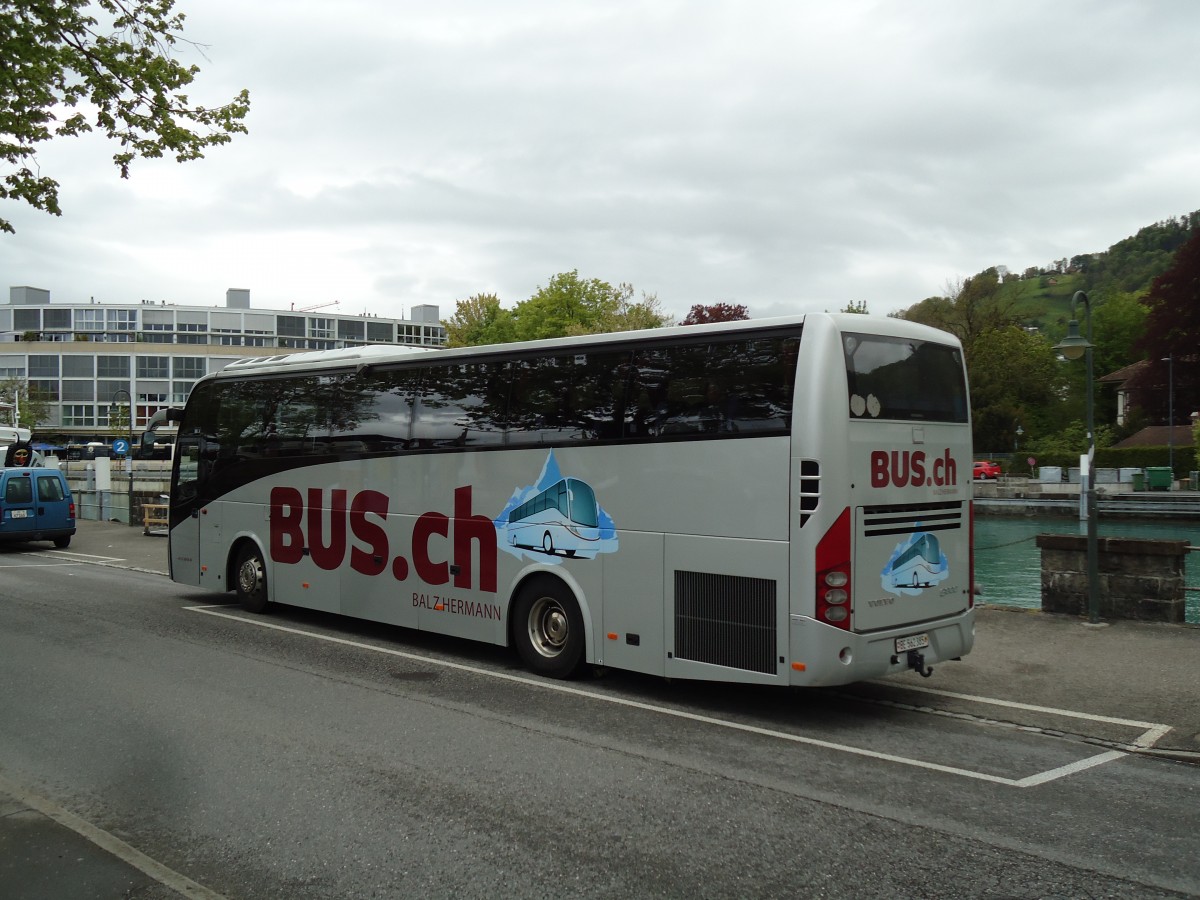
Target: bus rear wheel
(251, 575)
(548, 628)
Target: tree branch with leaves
(68, 67)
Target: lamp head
(1073, 345)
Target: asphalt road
(196, 751)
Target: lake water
(1008, 562)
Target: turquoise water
(1008, 562)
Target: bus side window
(460, 405)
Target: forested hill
(1130, 265)
(1041, 295)
(1143, 307)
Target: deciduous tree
(701, 314)
(1173, 331)
(73, 66)
(570, 305)
(32, 407)
(480, 319)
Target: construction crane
(315, 306)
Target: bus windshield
(901, 378)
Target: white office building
(81, 359)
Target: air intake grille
(810, 488)
(905, 518)
(725, 620)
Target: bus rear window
(901, 378)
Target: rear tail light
(71, 510)
(833, 588)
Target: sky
(788, 155)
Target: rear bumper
(823, 655)
(42, 534)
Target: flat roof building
(84, 359)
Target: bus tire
(250, 579)
(548, 628)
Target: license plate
(912, 642)
(20, 514)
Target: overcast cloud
(791, 156)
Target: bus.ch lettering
(319, 523)
(902, 468)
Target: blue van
(36, 505)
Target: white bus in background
(782, 502)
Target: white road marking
(82, 557)
(1029, 781)
(110, 843)
(44, 565)
(1154, 730)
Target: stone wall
(1137, 578)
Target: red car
(985, 469)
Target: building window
(43, 366)
(78, 390)
(27, 320)
(154, 367)
(78, 414)
(112, 366)
(320, 328)
(78, 366)
(122, 319)
(191, 338)
(107, 388)
(44, 389)
(90, 319)
(289, 326)
(57, 319)
(191, 367)
(384, 332)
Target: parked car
(986, 469)
(36, 505)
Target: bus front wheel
(251, 575)
(548, 628)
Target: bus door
(186, 508)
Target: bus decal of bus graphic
(554, 519)
(916, 564)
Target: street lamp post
(1170, 361)
(129, 451)
(1072, 347)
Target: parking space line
(44, 565)
(559, 687)
(79, 557)
(1153, 731)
